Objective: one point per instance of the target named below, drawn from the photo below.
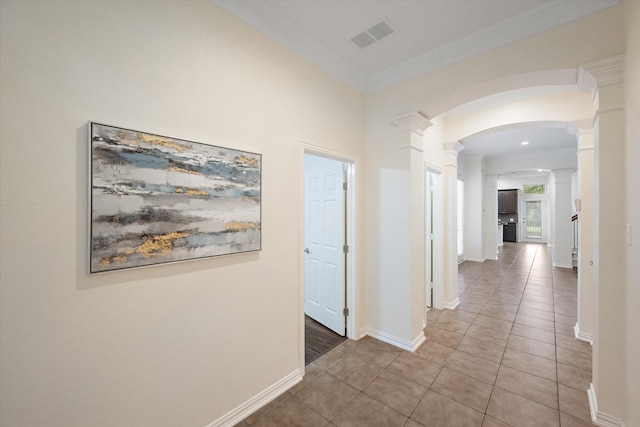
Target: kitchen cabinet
(510, 233)
(508, 201)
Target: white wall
(179, 344)
(473, 188)
(632, 108)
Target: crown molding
(596, 74)
(261, 17)
(545, 17)
(549, 15)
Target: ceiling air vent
(372, 35)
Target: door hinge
(345, 186)
(345, 312)
(345, 249)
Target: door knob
(307, 250)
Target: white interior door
(325, 217)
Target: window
(533, 189)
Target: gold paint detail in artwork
(246, 160)
(181, 170)
(241, 226)
(160, 140)
(159, 245)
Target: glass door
(533, 215)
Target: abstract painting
(156, 199)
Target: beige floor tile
(434, 351)
(326, 395)
(498, 313)
(519, 411)
(571, 357)
(356, 370)
(411, 423)
(567, 420)
(473, 366)
(452, 325)
(464, 316)
(533, 333)
(492, 422)
(532, 312)
(537, 306)
(527, 385)
(365, 411)
(526, 362)
(487, 334)
(573, 343)
(437, 410)
(446, 338)
(574, 402)
(536, 322)
(493, 323)
(531, 346)
(291, 413)
(396, 392)
(564, 329)
(574, 377)
(415, 368)
(487, 350)
(462, 388)
(567, 320)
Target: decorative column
(450, 218)
(587, 316)
(490, 217)
(403, 293)
(607, 398)
(563, 229)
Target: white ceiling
(429, 34)
(508, 142)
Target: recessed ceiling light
(539, 170)
(524, 143)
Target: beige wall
(179, 344)
(632, 110)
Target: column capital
(563, 175)
(600, 73)
(580, 127)
(452, 148)
(413, 122)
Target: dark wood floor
(318, 340)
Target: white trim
(411, 346)
(596, 74)
(600, 418)
(581, 335)
(452, 304)
(258, 401)
(473, 259)
(535, 21)
(351, 263)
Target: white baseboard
(581, 335)
(561, 265)
(258, 401)
(411, 346)
(474, 259)
(452, 304)
(600, 418)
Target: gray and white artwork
(156, 199)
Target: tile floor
(505, 357)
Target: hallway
(505, 357)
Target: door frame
(435, 267)
(542, 198)
(351, 240)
